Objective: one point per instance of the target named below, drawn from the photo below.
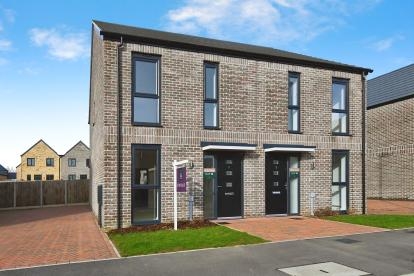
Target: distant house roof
(391, 87)
(40, 141)
(78, 143)
(181, 41)
(12, 175)
(3, 170)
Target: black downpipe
(363, 142)
(119, 140)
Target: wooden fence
(21, 194)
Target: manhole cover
(223, 222)
(347, 241)
(323, 269)
(297, 218)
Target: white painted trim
(220, 147)
(292, 149)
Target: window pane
(145, 167)
(336, 198)
(339, 167)
(146, 76)
(210, 114)
(338, 96)
(144, 205)
(294, 185)
(343, 198)
(339, 123)
(293, 90)
(211, 82)
(293, 117)
(146, 110)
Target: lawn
(382, 221)
(142, 243)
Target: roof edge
(321, 63)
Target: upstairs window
(31, 162)
(340, 119)
(211, 95)
(146, 90)
(294, 103)
(72, 162)
(50, 162)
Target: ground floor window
(37, 177)
(50, 177)
(145, 186)
(340, 174)
(72, 177)
(293, 185)
(83, 176)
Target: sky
(45, 49)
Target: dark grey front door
(229, 190)
(276, 184)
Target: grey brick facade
(80, 153)
(252, 108)
(390, 157)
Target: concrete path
(403, 207)
(51, 235)
(295, 228)
(381, 254)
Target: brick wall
(40, 151)
(253, 109)
(390, 157)
(80, 152)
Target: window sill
(212, 128)
(146, 125)
(341, 134)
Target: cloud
(60, 43)
(5, 45)
(386, 43)
(263, 21)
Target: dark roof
(3, 170)
(38, 143)
(80, 142)
(391, 87)
(154, 37)
(12, 175)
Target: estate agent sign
(181, 179)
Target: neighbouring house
(390, 135)
(4, 173)
(74, 164)
(39, 162)
(268, 132)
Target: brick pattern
(296, 228)
(50, 236)
(393, 207)
(253, 109)
(40, 151)
(80, 152)
(390, 157)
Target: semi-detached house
(268, 132)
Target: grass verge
(382, 221)
(142, 243)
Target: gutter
(119, 139)
(363, 80)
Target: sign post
(180, 183)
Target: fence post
(14, 194)
(66, 192)
(41, 193)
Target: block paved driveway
(51, 235)
(394, 207)
(295, 228)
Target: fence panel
(53, 192)
(6, 194)
(28, 193)
(43, 193)
(78, 191)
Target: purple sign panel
(181, 179)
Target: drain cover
(347, 241)
(323, 269)
(223, 222)
(297, 218)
